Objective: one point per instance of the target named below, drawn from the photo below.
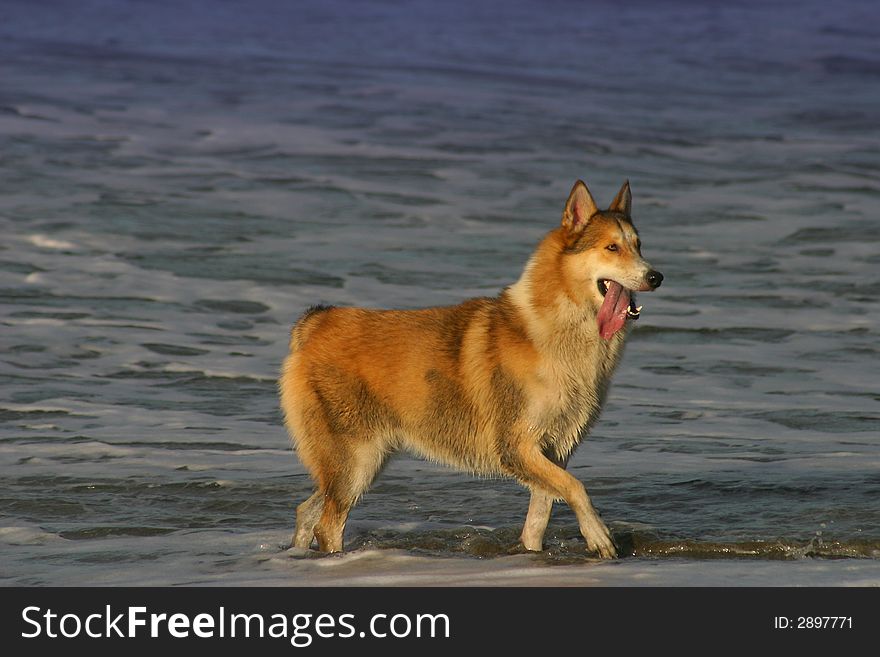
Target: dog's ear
(623, 201)
(579, 207)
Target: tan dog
(495, 386)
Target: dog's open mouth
(618, 306)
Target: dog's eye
(611, 247)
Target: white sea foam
(50, 243)
(26, 535)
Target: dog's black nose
(654, 278)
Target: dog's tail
(305, 325)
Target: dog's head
(602, 257)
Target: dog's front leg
(536, 471)
(540, 505)
(538, 516)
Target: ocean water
(179, 181)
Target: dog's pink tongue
(612, 314)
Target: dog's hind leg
(538, 516)
(536, 471)
(307, 515)
(341, 490)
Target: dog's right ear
(579, 207)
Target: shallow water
(178, 185)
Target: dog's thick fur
(495, 386)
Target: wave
(486, 543)
(775, 549)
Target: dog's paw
(530, 544)
(604, 550)
(599, 541)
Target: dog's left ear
(623, 201)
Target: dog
(503, 386)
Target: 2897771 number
(813, 623)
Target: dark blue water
(179, 181)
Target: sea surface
(180, 181)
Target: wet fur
(494, 386)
